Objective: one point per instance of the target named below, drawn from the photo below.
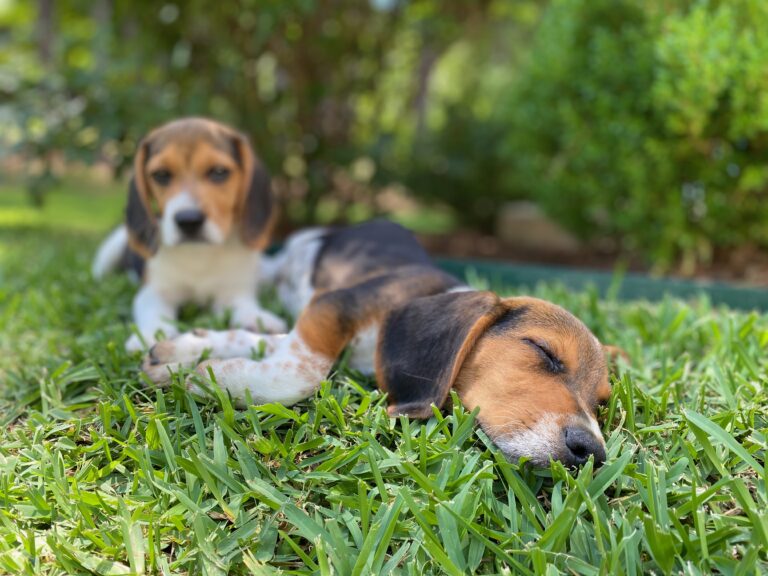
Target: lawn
(103, 474)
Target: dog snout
(580, 444)
(189, 221)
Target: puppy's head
(536, 373)
(196, 180)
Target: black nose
(581, 444)
(189, 221)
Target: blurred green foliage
(639, 124)
(645, 122)
(315, 83)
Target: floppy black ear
(141, 223)
(422, 347)
(257, 209)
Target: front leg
(303, 359)
(300, 360)
(186, 349)
(151, 312)
(246, 313)
(292, 372)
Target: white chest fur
(290, 271)
(197, 272)
(362, 355)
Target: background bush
(646, 122)
(639, 125)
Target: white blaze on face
(170, 233)
(595, 428)
(545, 439)
(592, 423)
(538, 442)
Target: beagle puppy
(536, 373)
(199, 213)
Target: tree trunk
(45, 31)
(102, 15)
(427, 60)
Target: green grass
(76, 205)
(102, 474)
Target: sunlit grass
(101, 474)
(84, 206)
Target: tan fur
(250, 164)
(457, 363)
(503, 374)
(141, 184)
(321, 330)
(534, 372)
(334, 316)
(469, 343)
(139, 247)
(189, 148)
(199, 210)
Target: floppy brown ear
(613, 353)
(257, 209)
(423, 345)
(139, 218)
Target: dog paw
(185, 348)
(161, 353)
(147, 338)
(159, 374)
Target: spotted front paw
(160, 374)
(186, 347)
(146, 339)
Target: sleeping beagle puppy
(536, 373)
(199, 213)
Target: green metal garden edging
(629, 286)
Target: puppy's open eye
(219, 174)
(552, 363)
(162, 176)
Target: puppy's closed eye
(551, 362)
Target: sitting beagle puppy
(199, 213)
(536, 373)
